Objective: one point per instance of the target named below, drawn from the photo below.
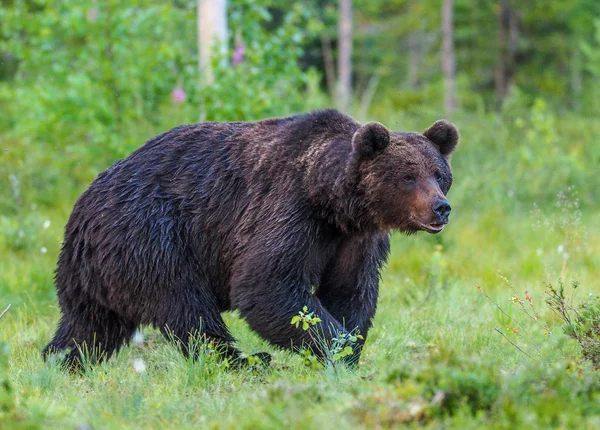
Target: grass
(434, 358)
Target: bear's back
(198, 192)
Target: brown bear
(265, 217)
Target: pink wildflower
(238, 54)
(92, 14)
(178, 95)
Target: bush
(582, 322)
(96, 79)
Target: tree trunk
(414, 58)
(212, 35)
(448, 62)
(345, 55)
(576, 75)
(329, 63)
(508, 39)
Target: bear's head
(405, 177)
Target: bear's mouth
(433, 227)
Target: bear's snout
(441, 208)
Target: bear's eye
(409, 179)
(439, 178)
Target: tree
(508, 39)
(212, 34)
(345, 55)
(448, 63)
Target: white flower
(138, 338)
(47, 223)
(539, 251)
(560, 249)
(43, 250)
(138, 365)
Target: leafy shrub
(96, 79)
(97, 64)
(268, 81)
(333, 352)
(441, 386)
(581, 322)
(592, 51)
(450, 388)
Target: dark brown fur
(251, 216)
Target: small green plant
(582, 322)
(307, 319)
(311, 360)
(342, 345)
(339, 348)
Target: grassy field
(463, 337)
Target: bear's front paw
(259, 359)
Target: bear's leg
(186, 340)
(60, 341)
(350, 285)
(197, 319)
(270, 289)
(270, 314)
(90, 331)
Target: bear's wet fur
(265, 217)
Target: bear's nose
(442, 208)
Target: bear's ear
(370, 139)
(443, 135)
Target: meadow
(463, 337)
(494, 323)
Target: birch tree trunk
(345, 55)
(212, 35)
(448, 61)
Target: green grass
(434, 331)
(433, 358)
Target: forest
(494, 323)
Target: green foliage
(592, 51)
(458, 382)
(400, 41)
(92, 74)
(83, 62)
(582, 323)
(87, 71)
(342, 345)
(446, 390)
(307, 319)
(269, 80)
(12, 413)
(338, 349)
(94, 80)
(7, 402)
(540, 149)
